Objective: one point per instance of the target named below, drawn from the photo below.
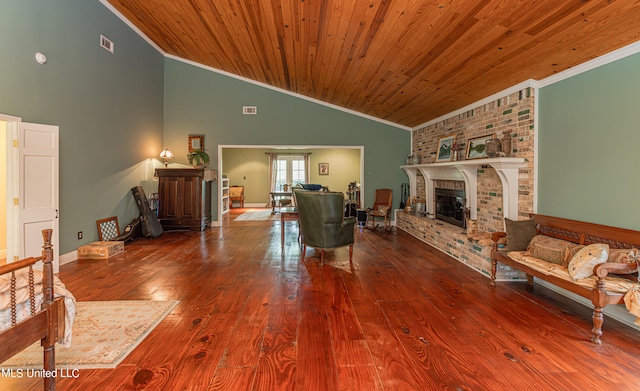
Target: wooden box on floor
(100, 250)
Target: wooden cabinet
(184, 198)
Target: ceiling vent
(250, 110)
(106, 43)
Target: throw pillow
(311, 186)
(619, 255)
(582, 264)
(519, 233)
(551, 249)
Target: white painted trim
(132, 26)
(241, 78)
(536, 118)
(617, 312)
(68, 257)
(286, 92)
(515, 88)
(621, 53)
(9, 118)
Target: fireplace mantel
(467, 171)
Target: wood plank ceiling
(404, 61)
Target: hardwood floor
(404, 316)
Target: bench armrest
(495, 238)
(603, 269)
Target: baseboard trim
(617, 312)
(68, 257)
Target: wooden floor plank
(402, 316)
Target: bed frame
(46, 325)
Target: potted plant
(198, 158)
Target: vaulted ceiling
(404, 61)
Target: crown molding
(626, 51)
(605, 59)
(286, 92)
(241, 78)
(515, 88)
(132, 26)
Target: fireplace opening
(450, 206)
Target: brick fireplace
(494, 187)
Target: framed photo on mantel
(476, 148)
(445, 148)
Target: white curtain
(273, 172)
(307, 169)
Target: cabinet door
(191, 198)
(169, 190)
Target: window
(290, 170)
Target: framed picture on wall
(445, 148)
(476, 147)
(323, 168)
(196, 141)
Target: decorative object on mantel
(492, 146)
(445, 146)
(408, 160)
(415, 159)
(506, 143)
(198, 158)
(467, 170)
(476, 147)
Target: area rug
(104, 333)
(256, 215)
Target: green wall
(588, 154)
(108, 106)
(249, 167)
(198, 101)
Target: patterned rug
(256, 215)
(104, 333)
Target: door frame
(13, 241)
(13, 191)
(218, 223)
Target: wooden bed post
(48, 343)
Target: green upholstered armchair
(322, 223)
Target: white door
(38, 198)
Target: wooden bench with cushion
(590, 260)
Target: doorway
(248, 166)
(29, 183)
(3, 192)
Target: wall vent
(251, 110)
(106, 43)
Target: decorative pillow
(550, 249)
(519, 233)
(582, 264)
(619, 255)
(311, 186)
(571, 252)
(383, 208)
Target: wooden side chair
(236, 193)
(381, 209)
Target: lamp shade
(166, 155)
